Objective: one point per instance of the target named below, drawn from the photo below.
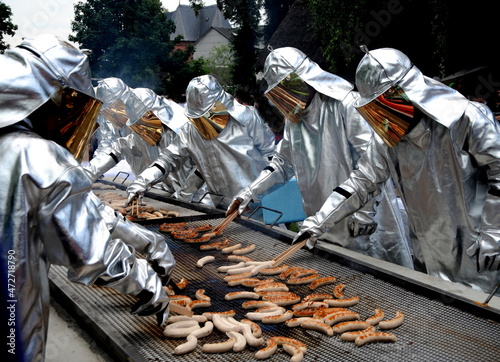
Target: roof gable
(192, 27)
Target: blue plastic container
(286, 199)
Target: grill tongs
(224, 223)
(299, 244)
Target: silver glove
(361, 223)
(310, 230)
(151, 244)
(339, 205)
(241, 201)
(270, 179)
(486, 249)
(98, 165)
(144, 182)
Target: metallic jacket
(125, 144)
(322, 150)
(48, 214)
(228, 162)
(447, 172)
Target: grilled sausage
(205, 260)
(375, 337)
(322, 281)
(394, 322)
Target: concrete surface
(67, 341)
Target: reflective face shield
(116, 114)
(290, 96)
(69, 120)
(211, 124)
(390, 115)
(149, 128)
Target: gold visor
(77, 121)
(213, 122)
(149, 128)
(390, 115)
(290, 96)
(116, 114)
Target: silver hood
(380, 69)
(34, 70)
(202, 93)
(283, 61)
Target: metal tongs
(299, 244)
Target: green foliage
(220, 64)
(6, 25)
(129, 40)
(245, 15)
(181, 70)
(275, 11)
(335, 21)
(438, 35)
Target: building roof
(192, 27)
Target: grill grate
(433, 330)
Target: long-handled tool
(179, 309)
(224, 223)
(176, 308)
(492, 294)
(299, 243)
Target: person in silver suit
(48, 213)
(324, 137)
(229, 143)
(135, 125)
(443, 152)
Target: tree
(220, 64)
(6, 25)
(129, 40)
(275, 12)
(438, 35)
(245, 15)
(182, 69)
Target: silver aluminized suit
(446, 169)
(227, 162)
(48, 214)
(125, 144)
(321, 150)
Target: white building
(207, 30)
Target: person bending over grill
(48, 214)
(135, 124)
(323, 139)
(443, 152)
(228, 142)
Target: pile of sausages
(269, 300)
(134, 213)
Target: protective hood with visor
(290, 96)
(142, 118)
(292, 78)
(390, 115)
(387, 73)
(113, 92)
(48, 80)
(204, 107)
(213, 122)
